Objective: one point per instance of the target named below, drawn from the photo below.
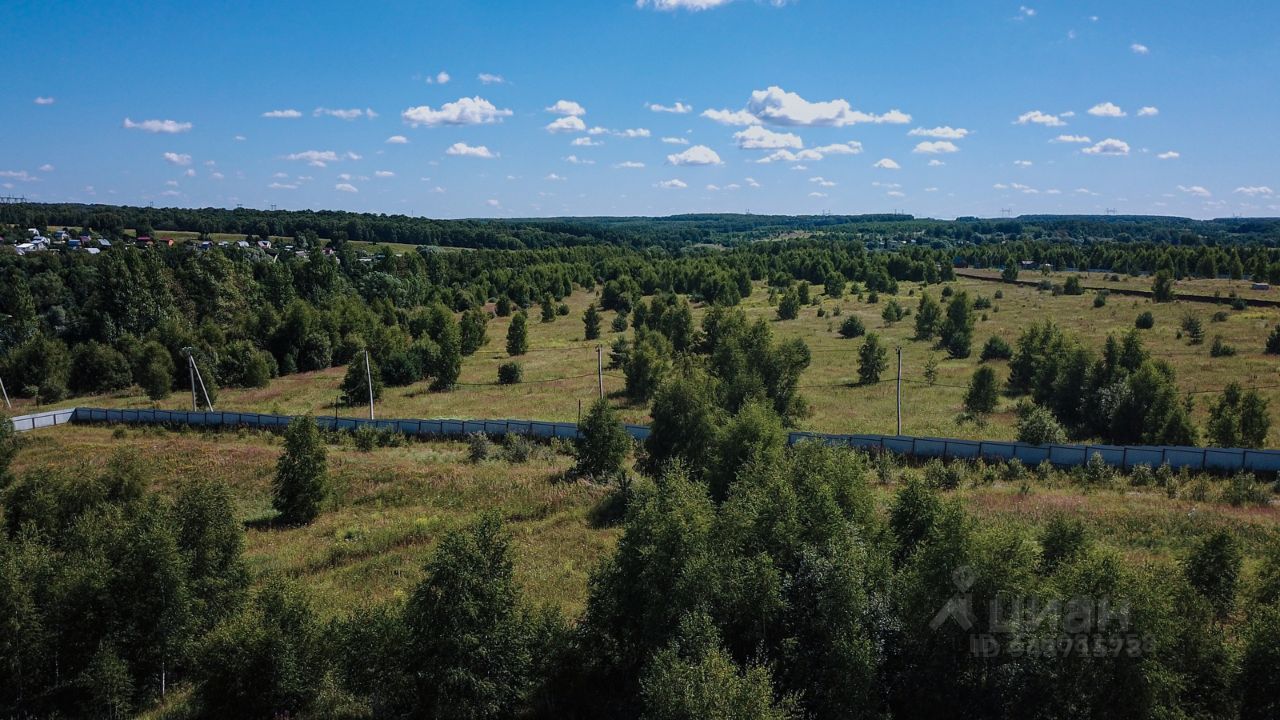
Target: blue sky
(512, 108)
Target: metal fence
(1194, 458)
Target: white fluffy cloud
(462, 149)
(567, 107)
(1082, 139)
(629, 165)
(759, 138)
(731, 117)
(696, 155)
(439, 78)
(822, 182)
(1110, 146)
(491, 79)
(42, 100)
(671, 184)
(288, 113)
(1169, 155)
(170, 127)
(1197, 190)
(887, 164)
(180, 159)
(936, 147)
(464, 111)
(575, 160)
(397, 140)
(679, 108)
(566, 124)
(346, 188)
(1139, 49)
(47, 168)
(1255, 191)
(1039, 118)
(586, 142)
(945, 132)
(671, 5)
(852, 147)
(347, 114)
(384, 174)
(675, 141)
(1107, 109)
(320, 158)
(1023, 163)
(1148, 111)
(779, 107)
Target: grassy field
(391, 506)
(560, 368)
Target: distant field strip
(1195, 458)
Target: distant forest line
(671, 232)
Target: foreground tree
(873, 359)
(983, 393)
(301, 473)
(591, 323)
(468, 640)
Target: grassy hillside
(560, 368)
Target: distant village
(33, 240)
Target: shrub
(982, 302)
(619, 323)
(983, 393)
(1145, 320)
(99, 368)
(1192, 327)
(852, 327)
(1063, 539)
(789, 305)
(942, 475)
(1038, 426)
(1244, 489)
(996, 348)
(366, 438)
(892, 312)
(153, 370)
(479, 447)
(1220, 348)
(510, 373)
(1273, 341)
(518, 448)
(1219, 316)
(1100, 298)
(1213, 569)
(1072, 286)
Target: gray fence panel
(997, 450)
(451, 427)
(930, 447)
(1262, 460)
(495, 427)
(639, 432)
(1180, 457)
(967, 449)
(1135, 456)
(1224, 459)
(1068, 455)
(566, 430)
(1111, 454)
(900, 445)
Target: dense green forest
(751, 580)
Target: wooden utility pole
(600, 369)
(368, 379)
(899, 390)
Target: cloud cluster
(287, 113)
(463, 111)
(679, 108)
(945, 132)
(179, 159)
(1036, 117)
(1110, 146)
(349, 114)
(1107, 109)
(696, 155)
(462, 149)
(170, 127)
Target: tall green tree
(873, 359)
(591, 323)
(518, 335)
(301, 481)
(956, 331)
(603, 443)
